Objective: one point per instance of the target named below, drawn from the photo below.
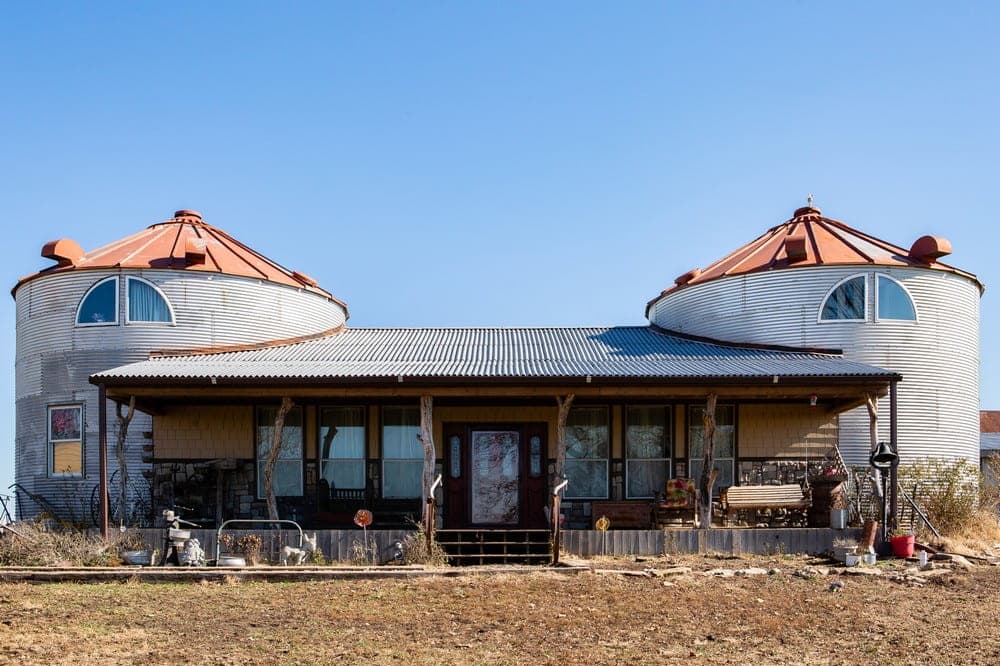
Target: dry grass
(35, 544)
(537, 619)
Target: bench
(788, 497)
(636, 515)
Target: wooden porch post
(564, 403)
(122, 435)
(102, 429)
(272, 457)
(708, 473)
(871, 401)
(426, 438)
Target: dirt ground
(542, 618)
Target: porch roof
(534, 354)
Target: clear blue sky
(510, 163)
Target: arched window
(146, 303)
(846, 301)
(894, 301)
(99, 306)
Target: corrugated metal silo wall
(938, 355)
(55, 358)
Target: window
(288, 468)
(146, 303)
(647, 449)
(846, 301)
(725, 443)
(99, 306)
(402, 453)
(893, 300)
(342, 446)
(587, 453)
(66, 440)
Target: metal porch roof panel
(529, 353)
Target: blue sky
(498, 164)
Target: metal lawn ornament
(363, 518)
(603, 524)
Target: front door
(495, 475)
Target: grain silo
(816, 282)
(179, 284)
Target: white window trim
(364, 453)
(668, 448)
(51, 473)
(83, 300)
(142, 322)
(822, 305)
(385, 459)
(567, 494)
(913, 303)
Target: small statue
(193, 555)
(298, 555)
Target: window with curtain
(846, 302)
(725, 443)
(146, 303)
(893, 300)
(288, 468)
(99, 305)
(587, 444)
(66, 440)
(402, 453)
(342, 446)
(647, 450)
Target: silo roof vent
(65, 250)
(795, 248)
(929, 249)
(687, 277)
(194, 251)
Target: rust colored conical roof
(810, 239)
(184, 242)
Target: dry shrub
(956, 497)
(37, 545)
(415, 549)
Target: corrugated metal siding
(937, 356)
(55, 358)
(619, 352)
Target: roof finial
(809, 201)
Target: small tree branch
(565, 403)
(426, 438)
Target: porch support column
(708, 473)
(564, 403)
(893, 440)
(426, 438)
(102, 444)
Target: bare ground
(543, 618)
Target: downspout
(893, 441)
(102, 445)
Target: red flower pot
(902, 546)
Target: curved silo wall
(937, 355)
(55, 358)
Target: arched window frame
(79, 307)
(170, 307)
(822, 305)
(878, 293)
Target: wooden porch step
(496, 546)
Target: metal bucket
(142, 558)
(231, 561)
(178, 535)
(838, 518)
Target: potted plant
(838, 511)
(902, 542)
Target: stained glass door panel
(495, 477)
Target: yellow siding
(217, 431)
(785, 431)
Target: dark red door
(495, 475)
